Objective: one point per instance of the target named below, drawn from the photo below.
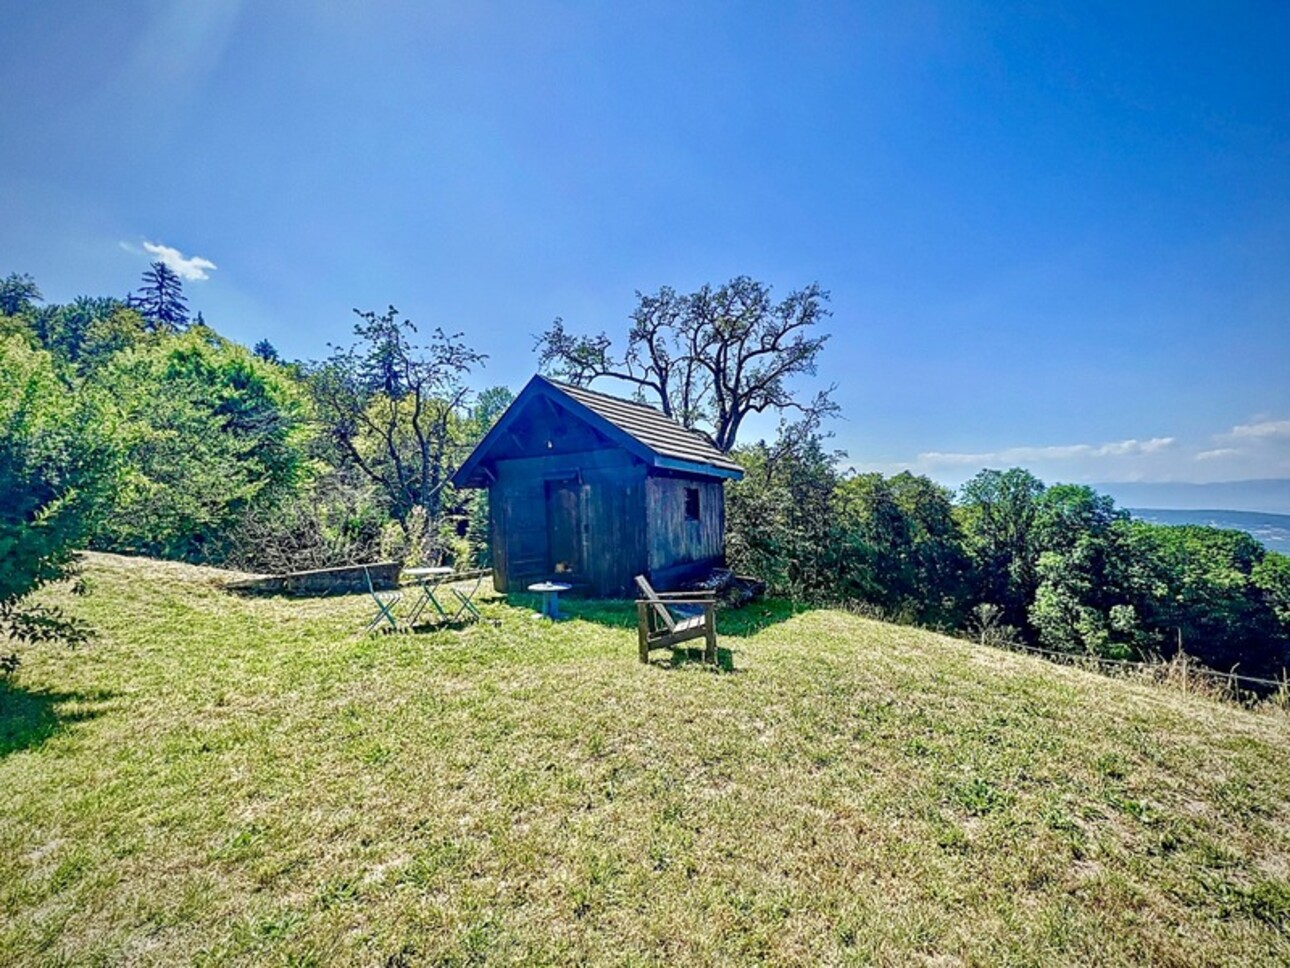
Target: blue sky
(1058, 237)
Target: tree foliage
(18, 294)
(1271, 577)
(778, 516)
(1206, 592)
(998, 511)
(393, 408)
(266, 351)
(908, 543)
(1086, 597)
(890, 544)
(710, 358)
(1014, 560)
(212, 434)
(58, 469)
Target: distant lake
(1271, 529)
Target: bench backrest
(659, 608)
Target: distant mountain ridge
(1273, 530)
(1264, 496)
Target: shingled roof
(657, 439)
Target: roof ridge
(608, 396)
(634, 403)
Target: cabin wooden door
(565, 527)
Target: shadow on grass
(740, 623)
(29, 717)
(683, 657)
(448, 625)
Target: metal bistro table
(427, 579)
(550, 597)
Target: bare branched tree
(707, 359)
(389, 406)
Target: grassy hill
(223, 780)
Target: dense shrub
(213, 435)
(58, 468)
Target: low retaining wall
(344, 580)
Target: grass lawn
(221, 780)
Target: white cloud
(1025, 455)
(1261, 429)
(1257, 448)
(191, 269)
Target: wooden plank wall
(612, 503)
(672, 539)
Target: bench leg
(710, 635)
(642, 631)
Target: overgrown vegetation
(58, 466)
(245, 781)
(1008, 560)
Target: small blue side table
(550, 597)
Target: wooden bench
(666, 619)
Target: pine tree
(18, 294)
(160, 300)
(266, 351)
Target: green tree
(1271, 576)
(997, 510)
(940, 564)
(1085, 597)
(266, 351)
(57, 472)
(872, 544)
(1201, 594)
(18, 294)
(897, 545)
(108, 335)
(73, 330)
(708, 359)
(779, 517)
(212, 434)
(487, 410)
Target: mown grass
(222, 780)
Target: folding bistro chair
(466, 599)
(385, 602)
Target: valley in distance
(1259, 507)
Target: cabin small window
(691, 504)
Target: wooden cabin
(593, 490)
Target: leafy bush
(213, 436)
(58, 468)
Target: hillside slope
(248, 782)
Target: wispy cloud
(1259, 447)
(1024, 455)
(191, 268)
(1261, 429)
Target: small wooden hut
(592, 490)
